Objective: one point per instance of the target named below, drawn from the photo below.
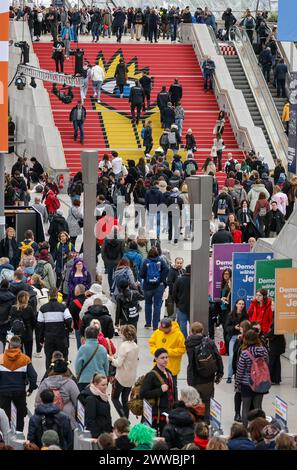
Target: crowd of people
(46, 294)
(148, 23)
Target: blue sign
(243, 275)
(287, 20)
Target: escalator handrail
(261, 93)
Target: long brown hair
(22, 300)
(251, 338)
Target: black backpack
(46, 423)
(18, 327)
(205, 361)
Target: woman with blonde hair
(23, 321)
(217, 443)
(97, 407)
(126, 362)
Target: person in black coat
(121, 76)
(101, 313)
(279, 168)
(245, 218)
(176, 92)
(181, 296)
(9, 248)
(20, 187)
(7, 299)
(118, 23)
(180, 428)
(276, 347)
(162, 101)
(203, 385)
(222, 235)
(229, 19)
(168, 116)
(157, 387)
(136, 99)
(57, 225)
(153, 22)
(274, 221)
(36, 171)
(53, 417)
(223, 206)
(97, 407)
(23, 314)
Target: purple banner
(222, 259)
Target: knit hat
(270, 432)
(96, 289)
(50, 437)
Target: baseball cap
(166, 322)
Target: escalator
(241, 83)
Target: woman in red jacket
(235, 232)
(260, 311)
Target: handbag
(112, 369)
(87, 363)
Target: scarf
(201, 443)
(97, 393)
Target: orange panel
(4, 26)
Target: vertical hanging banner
(265, 274)
(286, 21)
(285, 318)
(4, 36)
(292, 140)
(222, 259)
(243, 279)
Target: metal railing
(261, 93)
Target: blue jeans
(77, 337)
(173, 31)
(182, 320)
(230, 358)
(110, 271)
(79, 125)
(97, 88)
(75, 32)
(179, 122)
(154, 298)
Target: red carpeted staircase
(108, 125)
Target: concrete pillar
(89, 163)
(2, 186)
(200, 197)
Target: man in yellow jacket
(286, 116)
(170, 337)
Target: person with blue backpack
(154, 273)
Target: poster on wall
(285, 320)
(222, 259)
(243, 279)
(4, 37)
(265, 274)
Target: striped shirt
(244, 366)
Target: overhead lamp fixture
(20, 82)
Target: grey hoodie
(69, 393)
